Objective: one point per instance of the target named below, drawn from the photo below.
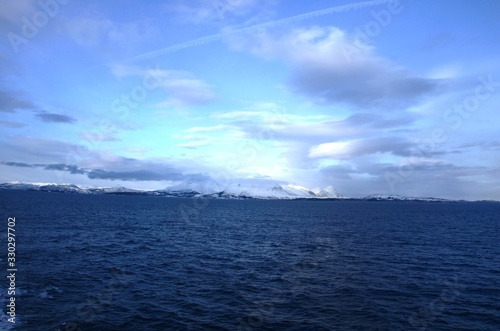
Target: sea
(119, 262)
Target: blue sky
(394, 97)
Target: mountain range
(240, 189)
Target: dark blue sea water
(88, 262)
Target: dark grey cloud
(378, 121)
(64, 167)
(169, 173)
(433, 179)
(60, 167)
(363, 86)
(482, 145)
(55, 118)
(329, 66)
(409, 168)
(135, 175)
(11, 101)
(18, 164)
(28, 149)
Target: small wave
(49, 292)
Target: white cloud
(238, 115)
(358, 147)
(329, 66)
(339, 149)
(213, 128)
(183, 87)
(194, 144)
(96, 31)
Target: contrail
(217, 36)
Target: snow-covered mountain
(235, 189)
(327, 192)
(47, 187)
(65, 188)
(115, 190)
(248, 188)
(386, 197)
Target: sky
(370, 97)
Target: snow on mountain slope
(47, 187)
(111, 190)
(394, 197)
(265, 189)
(197, 187)
(249, 188)
(246, 188)
(327, 192)
(65, 188)
(237, 188)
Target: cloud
(213, 128)
(12, 101)
(240, 114)
(230, 32)
(135, 175)
(168, 173)
(183, 87)
(55, 118)
(18, 164)
(88, 31)
(331, 67)
(92, 30)
(9, 124)
(120, 70)
(12, 13)
(14, 10)
(101, 136)
(63, 167)
(278, 125)
(209, 135)
(194, 144)
(307, 142)
(60, 167)
(26, 149)
(482, 145)
(378, 121)
(421, 178)
(352, 148)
